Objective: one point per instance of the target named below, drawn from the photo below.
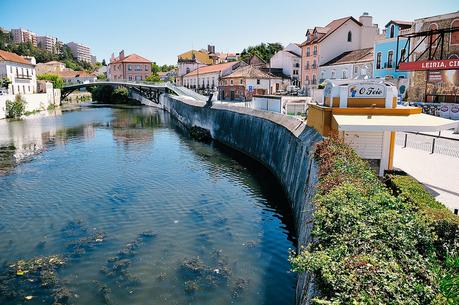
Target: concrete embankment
(283, 144)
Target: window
(130, 77)
(231, 82)
(314, 65)
(378, 60)
(454, 38)
(308, 51)
(344, 74)
(241, 81)
(187, 70)
(349, 36)
(11, 69)
(146, 67)
(390, 59)
(258, 81)
(314, 79)
(333, 75)
(17, 72)
(315, 50)
(129, 67)
(307, 65)
(402, 55)
(307, 79)
(392, 31)
(356, 70)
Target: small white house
(289, 60)
(357, 64)
(20, 71)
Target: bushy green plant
(120, 95)
(369, 246)
(57, 81)
(15, 109)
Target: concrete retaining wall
(283, 144)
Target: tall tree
(264, 50)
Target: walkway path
(439, 173)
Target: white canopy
(413, 122)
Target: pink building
(132, 67)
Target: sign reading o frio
(367, 91)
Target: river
(121, 206)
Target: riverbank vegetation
(107, 94)
(15, 109)
(377, 243)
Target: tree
(155, 68)
(16, 108)
(153, 78)
(4, 82)
(263, 50)
(57, 81)
(120, 95)
(101, 76)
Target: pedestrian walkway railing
(430, 143)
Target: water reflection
(139, 214)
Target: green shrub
(369, 246)
(16, 108)
(57, 81)
(120, 95)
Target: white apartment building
(289, 60)
(357, 64)
(20, 71)
(24, 36)
(48, 43)
(80, 52)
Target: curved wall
(283, 144)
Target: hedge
(371, 245)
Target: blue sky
(160, 30)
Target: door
(232, 95)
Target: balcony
(23, 76)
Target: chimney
(366, 19)
(210, 49)
(121, 55)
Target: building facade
(385, 50)
(50, 67)
(131, 68)
(441, 86)
(245, 82)
(48, 43)
(80, 52)
(20, 71)
(289, 60)
(190, 61)
(357, 64)
(325, 43)
(76, 77)
(208, 77)
(24, 36)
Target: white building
(357, 64)
(76, 77)
(80, 52)
(48, 43)
(289, 60)
(208, 77)
(24, 36)
(20, 71)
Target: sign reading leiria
(423, 65)
(367, 91)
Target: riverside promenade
(438, 172)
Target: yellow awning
(413, 122)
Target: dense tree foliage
(264, 50)
(153, 78)
(107, 94)
(57, 81)
(372, 245)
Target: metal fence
(434, 144)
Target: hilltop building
(80, 51)
(48, 43)
(24, 36)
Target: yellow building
(365, 114)
(200, 56)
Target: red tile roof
(350, 57)
(8, 56)
(329, 29)
(133, 58)
(72, 74)
(249, 72)
(212, 68)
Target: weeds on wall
(15, 109)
